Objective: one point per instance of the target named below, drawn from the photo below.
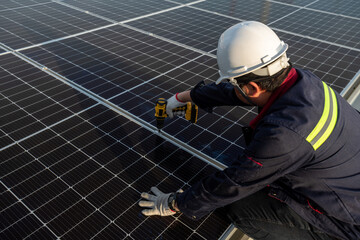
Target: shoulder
(272, 138)
(301, 107)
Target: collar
(284, 87)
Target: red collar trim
(285, 86)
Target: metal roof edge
(352, 91)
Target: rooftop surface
(78, 83)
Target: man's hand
(173, 103)
(157, 204)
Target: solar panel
(5, 5)
(343, 7)
(189, 26)
(333, 64)
(117, 56)
(300, 3)
(32, 100)
(324, 26)
(25, 26)
(83, 175)
(257, 10)
(121, 10)
(75, 156)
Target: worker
(299, 175)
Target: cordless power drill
(190, 110)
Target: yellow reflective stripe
(328, 119)
(323, 118)
(332, 122)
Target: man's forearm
(184, 96)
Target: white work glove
(173, 103)
(157, 204)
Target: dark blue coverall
(305, 151)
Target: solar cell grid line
(296, 3)
(41, 23)
(7, 127)
(25, 88)
(47, 183)
(58, 20)
(348, 8)
(177, 43)
(143, 16)
(92, 78)
(36, 140)
(95, 29)
(10, 190)
(230, 16)
(331, 28)
(333, 64)
(147, 57)
(20, 3)
(136, 18)
(7, 36)
(188, 26)
(30, 220)
(120, 10)
(261, 10)
(288, 14)
(59, 130)
(4, 5)
(184, 1)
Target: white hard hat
(249, 47)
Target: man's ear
(252, 89)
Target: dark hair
(268, 83)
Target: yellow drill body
(190, 109)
